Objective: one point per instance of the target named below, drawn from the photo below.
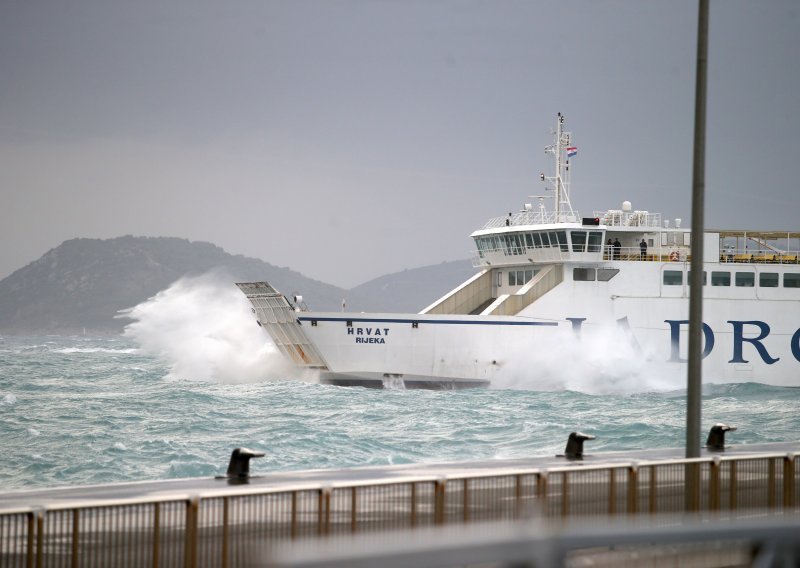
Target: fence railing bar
(440, 488)
(653, 491)
(353, 509)
(466, 500)
(413, 504)
(788, 482)
(612, 492)
(633, 489)
(772, 485)
(190, 555)
(39, 539)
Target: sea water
(185, 385)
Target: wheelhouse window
(791, 280)
(488, 244)
(562, 240)
(768, 279)
(583, 274)
(528, 240)
(519, 245)
(720, 278)
(673, 277)
(578, 241)
(537, 240)
(479, 244)
(512, 244)
(745, 279)
(545, 240)
(595, 241)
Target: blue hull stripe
(428, 322)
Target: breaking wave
(203, 329)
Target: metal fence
(214, 528)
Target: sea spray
(203, 329)
(603, 360)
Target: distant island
(83, 283)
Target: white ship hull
(624, 316)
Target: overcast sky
(351, 138)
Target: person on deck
(643, 250)
(617, 249)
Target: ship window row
(592, 274)
(740, 279)
(517, 243)
(519, 277)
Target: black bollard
(575, 441)
(716, 436)
(239, 466)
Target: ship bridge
(610, 235)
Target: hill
(83, 283)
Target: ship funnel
(239, 466)
(575, 441)
(716, 436)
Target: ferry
(551, 285)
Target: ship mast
(560, 181)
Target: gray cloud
(347, 139)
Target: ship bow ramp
(275, 313)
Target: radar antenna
(560, 181)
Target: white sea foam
(604, 361)
(9, 399)
(69, 350)
(202, 327)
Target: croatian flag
(572, 151)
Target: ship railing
(620, 218)
(759, 256)
(524, 254)
(532, 218)
(219, 527)
(612, 218)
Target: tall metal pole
(695, 367)
(558, 167)
(695, 374)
